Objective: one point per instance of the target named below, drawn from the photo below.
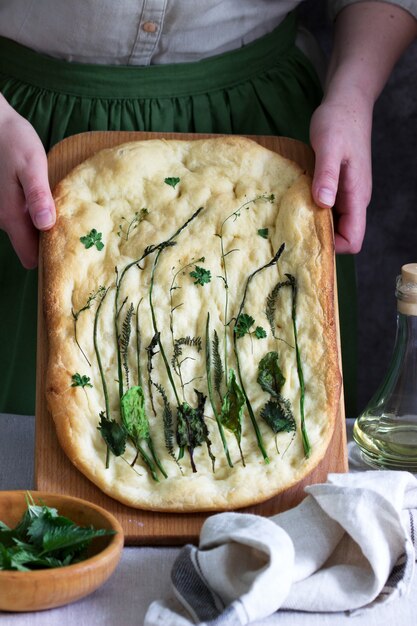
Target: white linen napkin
(351, 543)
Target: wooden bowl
(47, 588)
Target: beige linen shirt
(144, 32)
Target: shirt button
(149, 27)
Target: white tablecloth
(143, 574)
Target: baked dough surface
(235, 203)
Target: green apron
(268, 87)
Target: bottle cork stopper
(409, 273)
(407, 291)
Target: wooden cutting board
(56, 474)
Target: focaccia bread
(189, 301)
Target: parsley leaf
(80, 381)
(93, 238)
(201, 275)
(260, 333)
(243, 324)
(172, 181)
(243, 327)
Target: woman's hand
(340, 135)
(369, 39)
(26, 203)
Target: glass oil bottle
(386, 432)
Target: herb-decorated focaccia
(189, 299)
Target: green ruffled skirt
(268, 87)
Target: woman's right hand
(26, 203)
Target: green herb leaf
(172, 181)
(243, 324)
(67, 535)
(192, 430)
(260, 333)
(113, 433)
(232, 409)
(80, 381)
(135, 421)
(263, 232)
(133, 414)
(44, 539)
(278, 416)
(93, 238)
(270, 376)
(201, 275)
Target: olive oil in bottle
(386, 431)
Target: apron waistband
(154, 81)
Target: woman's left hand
(340, 135)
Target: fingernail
(326, 196)
(43, 219)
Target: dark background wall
(391, 235)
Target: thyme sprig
(177, 344)
(126, 229)
(223, 254)
(76, 314)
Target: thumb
(38, 197)
(326, 179)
